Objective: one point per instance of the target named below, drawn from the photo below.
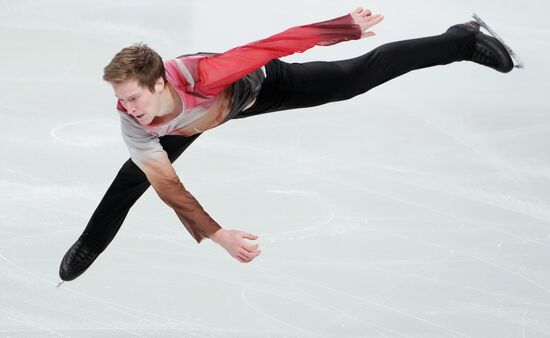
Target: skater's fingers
(248, 235)
(250, 247)
(244, 259)
(250, 259)
(368, 34)
(250, 254)
(374, 19)
(245, 254)
(366, 12)
(241, 258)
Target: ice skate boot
(517, 61)
(78, 258)
(489, 51)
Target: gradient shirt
(213, 89)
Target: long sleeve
(217, 72)
(169, 188)
(199, 79)
(148, 154)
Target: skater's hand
(233, 241)
(365, 19)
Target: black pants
(290, 86)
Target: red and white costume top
(214, 88)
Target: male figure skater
(165, 105)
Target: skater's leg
(299, 85)
(129, 184)
(127, 187)
(349, 78)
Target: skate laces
(484, 56)
(81, 254)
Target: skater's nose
(131, 108)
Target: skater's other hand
(365, 19)
(234, 242)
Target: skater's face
(139, 101)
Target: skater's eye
(131, 98)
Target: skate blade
(517, 61)
(60, 283)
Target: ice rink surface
(420, 209)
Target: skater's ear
(159, 85)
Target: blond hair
(136, 62)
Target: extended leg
(299, 85)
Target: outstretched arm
(217, 72)
(163, 178)
(129, 184)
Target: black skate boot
(488, 50)
(79, 258)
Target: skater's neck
(170, 105)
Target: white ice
(420, 209)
